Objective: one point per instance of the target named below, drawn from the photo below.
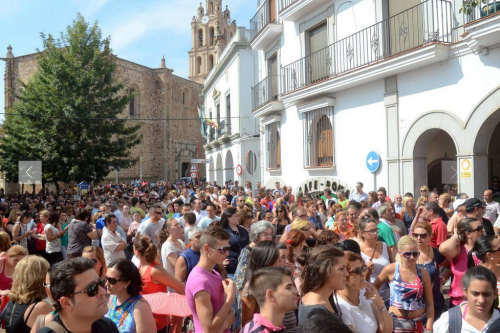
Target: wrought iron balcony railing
(425, 23)
(265, 91)
(282, 4)
(260, 19)
(481, 9)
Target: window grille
(318, 138)
(273, 146)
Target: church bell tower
(211, 30)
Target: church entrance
(185, 169)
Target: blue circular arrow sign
(373, 161)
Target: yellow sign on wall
(466, 168)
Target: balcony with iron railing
(265, 91)
(481, 19)
(264, 28)
(294, 10)
(480, 9)
(425, 24)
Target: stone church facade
(211, 30)
(163, 103)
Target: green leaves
(67, 115)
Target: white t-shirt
(110, 240)
(361, 318)
(152, 230)
(441, 325)
(166, 249)
(55, 245)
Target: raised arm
(450, 248)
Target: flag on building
(202, 120)
(212, 123)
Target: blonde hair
(403, 242)
(17, 250)
(28, 280)
(45, 213)
(4, 241)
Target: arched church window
(210, 62)
(133, 104)
(212, 35)
(198, 65)
(200, 37)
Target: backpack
(455, 322)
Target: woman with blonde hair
(96, 253)
(8, 265)
(408, 211)
(410, 289)
(27, 295)
(4, 242)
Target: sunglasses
(411, 254)
(359, 270)
(93, 288)
(479, 228)
(422, 236)
(373, 231)
(222, 250)
(112, 281)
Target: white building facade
(418, 82)
(232, 144)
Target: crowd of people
(249, 259)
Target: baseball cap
(458, 202)
(472, 203)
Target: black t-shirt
(103, 325)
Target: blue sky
(141, 30)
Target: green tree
(67, 115)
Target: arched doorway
(219, 170)
(229, 176)
(487, 151)
(434, 158)
(494, 161)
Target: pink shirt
(201, 280)
(458, 268)
(259, 324)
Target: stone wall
(170, 126)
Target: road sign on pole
(373, 161)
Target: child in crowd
(275, 293)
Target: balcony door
(318, 62)
(272, 75)
(406, 24)
(272, 11)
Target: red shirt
(439, 232)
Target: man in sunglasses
(152, 226)
(209, 296)
(475, 208)
(80, 299)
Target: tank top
(13, 317)
(407, 295)
(123, 315)
(5, 281)
(379, 264)
(191, 258)
(458, 268)
(151, 287)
